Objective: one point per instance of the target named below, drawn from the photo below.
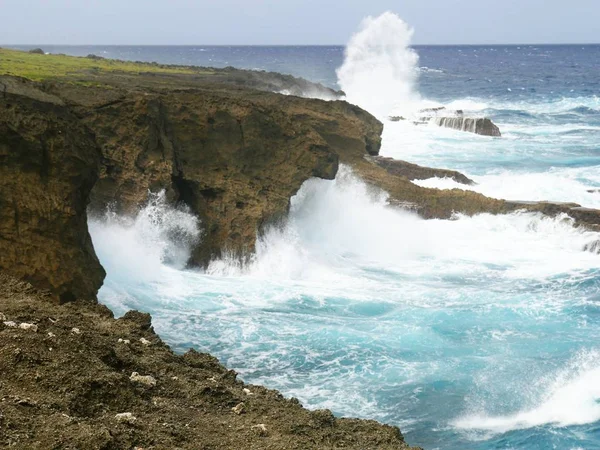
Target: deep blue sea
(472, 333)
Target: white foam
(571, 397)
(380, 69)
(137, 248)
(338, 228)
(558, 184)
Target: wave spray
(380, 70)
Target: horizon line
(299, 45)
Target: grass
(45, 67)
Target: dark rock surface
(457, 121)
(415, 172)
(67, 381)
(483, 126)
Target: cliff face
(235, 159)
(48, 166)
(234, 156)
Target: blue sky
(279, 22)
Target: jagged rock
(239, 408)
(29, 326)
(49, 163)
(126, 417)
(146, 380)
(260, 429)
(483, 126)
(415, 172)
(234, 159)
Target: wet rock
(482, 126)
(415, 172)
(592, 247)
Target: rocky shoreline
(219, 142)
(74, 377)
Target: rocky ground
(73, 377)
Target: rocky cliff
(49, 162)
(235, 157)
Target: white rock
(145, 341)
(125, 418)
(260, 429)
(10, 324)
(29, 326)
(2, 317)
(124, 341)
(51, 334)
(143, 379)
(239, 409)
(75, 331)
(174, 378)
(247, 391)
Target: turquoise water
(474, 333)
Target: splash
(137, 249)
(571, 397)
(380, 69)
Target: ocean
(473, 333)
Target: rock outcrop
(49, 163)
(234, 156)
(482, 125)
(62, 389)
(411, 171)
(455, 120)
(234, 159)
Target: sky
(292, 22)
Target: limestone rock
(260, 429)
(146, 380)
(48, 165)
(239, 408)
(29, 326)
(126, 417)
